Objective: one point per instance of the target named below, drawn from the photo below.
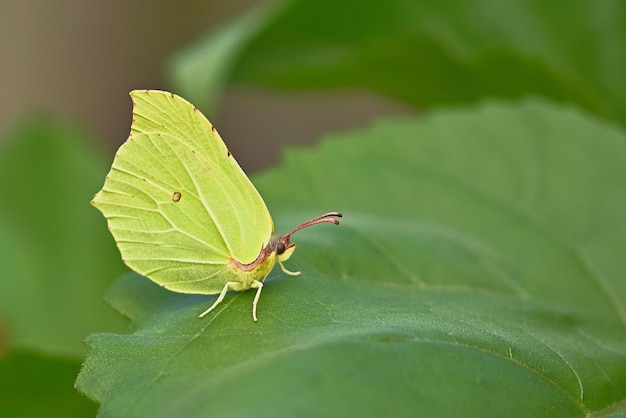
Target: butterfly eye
(280, 248)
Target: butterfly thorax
(278, 249)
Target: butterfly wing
(177, 203)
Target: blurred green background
(78, 61)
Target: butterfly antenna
(327, 217)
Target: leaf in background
(33, 385)
(478, 271)
(433, 53)
(56, 256)
(200, 71)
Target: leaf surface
(477, 271)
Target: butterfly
(182, 211)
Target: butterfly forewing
(178, 204)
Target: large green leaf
(430, 53)
(56, 257)
(478, 272)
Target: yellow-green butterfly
(182, 211)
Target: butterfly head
(284, 248)
(282, 245)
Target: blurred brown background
(79, 59)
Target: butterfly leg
(290, 273)
(256, 285)
(228, 286)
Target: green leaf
(56, 255)
(478, 272)
(432, 53)
(33, 385)
(200, 71)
